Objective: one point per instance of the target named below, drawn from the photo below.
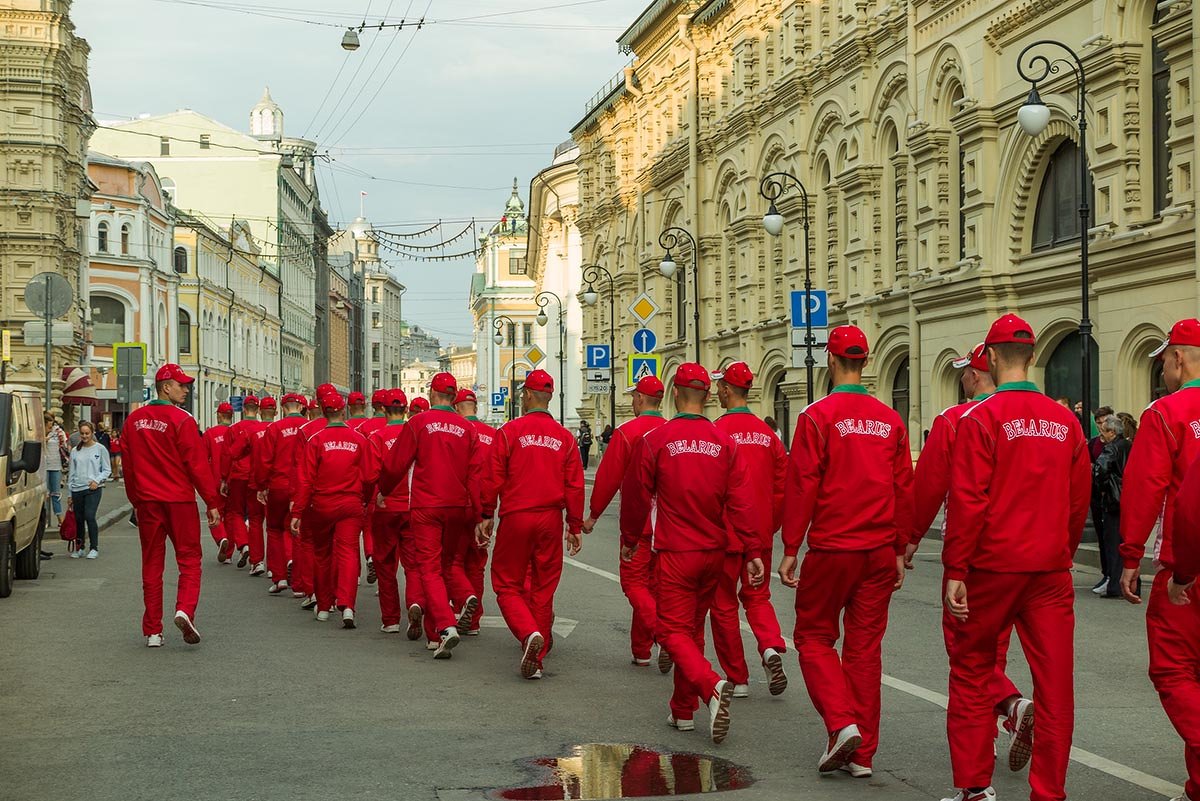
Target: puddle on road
(622, 770)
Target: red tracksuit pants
(180, 523)
(336, 524)
(434, 531)
(302, 557)
(526, 567)
(241, 505)
(854, 586)
(1042, 605)
(687, 581)
(1002, 687)
(389, 534)
(218, 532)
(279, 503)
(638, 582)
(760, 616)
(475, 562)
(1174, 636)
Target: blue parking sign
(819, 307)
(497, 398)
(599, 357)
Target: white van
(23, 486)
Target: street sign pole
(49, 349)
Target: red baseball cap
(321, 390)
(267, 403)
(313, 403)
(444, 383)
(249, 400)
(1010, 328)
(692, 376)
(357, 399)
(380, 397)
(977, 359)
(738, 374)
(173, 372)
(333, 402)
(1185, 333)
(225, 408)
(538, 381)
(648, 385)
(392, 397)
(465, 396)
(419, 405)
(849, 342)
(292, 397)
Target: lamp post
(542, 299)
(1033, 117)
(591, 275)
(498, 338)
(772, 188)
(668, 239)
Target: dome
(513, 221)
(360, 228)
(266, 118)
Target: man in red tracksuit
(165, 466)
(1167, 444)
(931, 488)
(393, 538)
(214, 444)
(637, 574)
(691, 485)
(303, 585)
(1020, 485)
(275, 472)
(535, 475)
(356, 410)
(475, 557)
(266, 409)
(766, 466)
(442, 452)
(331, 497)
(418, 405)
(356, 405)
(241, 499)
(379, 401)
(849, 491)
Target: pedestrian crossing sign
(642, 365)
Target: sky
(441, 117)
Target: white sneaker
(741, 691)
(184, 623)
(298, 595)
(1183, 797)
(224, 552)
(681, 725)
(76, 554)
(841, 745)
(277, 587)
(1019, 726)
(322, 616)
(718, 710)
(392, 629)
(640, 662)
(532, 654)
(468, 611)
(987, 794)
(258, 569)
(537, 674)
(309, 602)
(415, 617)
(856, 770)
(348, 618)
(154, 641)
(776, 679)
(244, 556)
(1100, 588)
(447, 643)
(430, 645)
(93, 554)
(664, 661)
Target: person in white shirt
(52, 463)
(90, 468)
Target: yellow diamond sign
(534, 356)
(644, 308)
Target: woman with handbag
(1108, 473)
(90, 468)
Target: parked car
(23, 489)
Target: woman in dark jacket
(1108, 474)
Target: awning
(78, 389)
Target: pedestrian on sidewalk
(1108, 477)
(55, 457)
(584, 438)
(535, 475)
(165, 466)
(115, 453)
(605, 438)
(90, 468)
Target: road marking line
(1094, 761)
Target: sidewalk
(114, 507)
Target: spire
(266, 118)
(266, 98)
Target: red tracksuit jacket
(485, 433)
(1167, 442)
(690, 484)
(849, 480)
(311, 427)
(766, 463)
(382, 440)
(618, 456)
(1020, 485)
(369, 425)
(354, 423)
(1185, 528)
(164, 457)
(214, 445)
(337, 464)
(280, 452)
(535, 466)
(439, 455)
(931, 479)
(237, 460)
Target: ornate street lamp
(668, 239)
(591, 275)
(772, 188)
(498, 338)
(542, 299)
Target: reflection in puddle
(596, 771)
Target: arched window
(1160, 117)
(1056, 220)
(181, 260)
(125, 239)
(160, 336)
(960, 196)
(1064, 371)
(185, 331)
(781, 411)
(108, 320)
(900, 390)
(102, 237)
(1158, 385)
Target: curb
(112, 517)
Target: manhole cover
(622, 770)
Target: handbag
(68, 529)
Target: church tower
(266, 118)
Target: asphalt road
(273, 704)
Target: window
(180, 260)
(526, 334)
(205, 140)
(960, 166)
(102, 237)
(1064, 371)
(900, 391)
(781, 411)
(125, 239)
(376, 320)
(1056, 220)
(511, 335)
(517, 264)
(681, 304)
(374, 351)
(1160, 119)
(375, 379)
(164, 146)
(108, 320)
(1158, 385)
(185, 331)
(374, 294)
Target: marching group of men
(420, 485)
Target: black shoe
(45, 555)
